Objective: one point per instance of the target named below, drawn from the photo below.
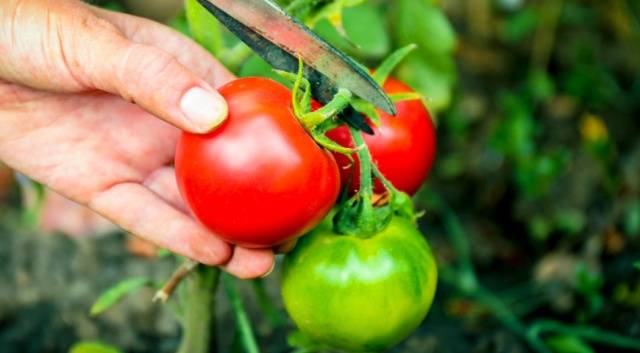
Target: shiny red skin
(259, 179)
(403, 146)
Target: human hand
(69, 73)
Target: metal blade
(280, 39)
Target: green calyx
(320, 121)
(358, 216)
(362, 214)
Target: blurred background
(532, 209)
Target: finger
(140, 211)
(188, 52)
(244, 263)
(250, 263)
(148, 76)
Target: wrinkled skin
(403, 146)
(360, 295)
(259, 179)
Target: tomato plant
(403, 146)
(360, 293)
(259, 179)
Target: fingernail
(205, 109)
(273, 266)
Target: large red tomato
(403, 146)
(259, 179)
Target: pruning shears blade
(280, 40)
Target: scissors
(280, 39)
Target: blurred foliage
(546, 114)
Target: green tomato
(360, 294)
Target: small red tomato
(403, 146)
(259, 179)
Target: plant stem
(266, 304)
(180, 273)
(340, 101)
(247, 338)
(198, 322)
(452, 224)
(364, 157)
(586, 332)
(367, 221)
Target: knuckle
(143, 61)
(144, 65)
(220, 256)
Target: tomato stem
(330, 110)
(170, 286)
(367, 220)
(366, 168)
(245, 332)
(198, 322)
(358, 216)
(319, 122)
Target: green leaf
(637, 265)
(431, 71)
(33, 195)
(204, 28)
(326, 31)
(332, 12)
(434, 79)
(256, 66)
(423, 23)
(117, 292)
(390, 63)
(365, 28)
(405, 96)
(93, 347)
(568, 344)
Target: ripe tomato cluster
(260, 180)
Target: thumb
(159, 83)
